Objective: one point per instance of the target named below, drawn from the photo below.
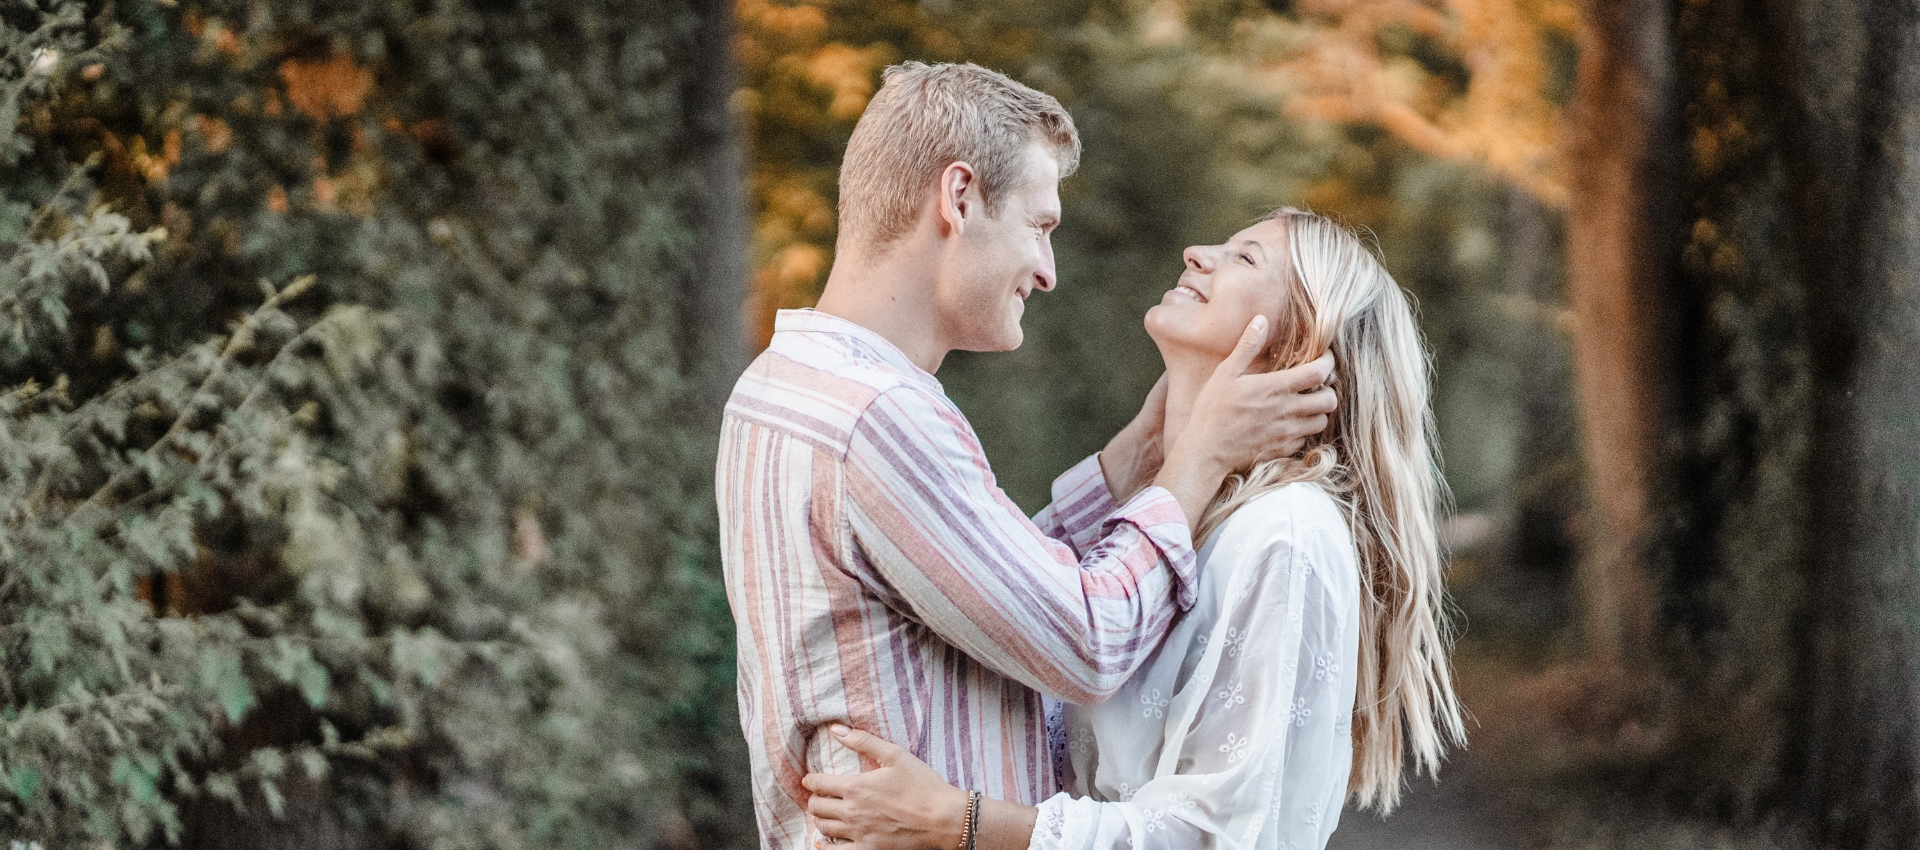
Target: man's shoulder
(819, 389)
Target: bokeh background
(363, 364)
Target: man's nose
(1043, 277)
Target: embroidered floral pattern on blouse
(1233, 696)
(1156, 820)
(1054, 819)
(1081, 741)
(1298, 712)
(1325, 668)
(1185, 803)
(1236, 747)
(1236, 641)
(1273, 660)
(1156, 705)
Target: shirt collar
(811, 321)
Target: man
(877, 575)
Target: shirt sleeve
(927, 516)
(1081, 503)
(1267, 743)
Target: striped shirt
(880, 578)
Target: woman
(1315, 657)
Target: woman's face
(1223, 288)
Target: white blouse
(1237, 732)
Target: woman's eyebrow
(1263, 248)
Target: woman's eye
(1247, 258)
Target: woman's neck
(1186, 374)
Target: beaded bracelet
(970, 822)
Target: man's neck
(891, 296)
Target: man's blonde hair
(926, 117)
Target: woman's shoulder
(1301, 518)
(1290, 510)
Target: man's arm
(1074, 624)
(1237, 420)
(927, 516)
(1081, 504)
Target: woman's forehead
(1271, 234)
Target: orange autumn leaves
(1503, 119)
(324, 88)
(1481, 82)
(332, 87)
(805, 81)
(793, 40)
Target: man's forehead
(1042, 186)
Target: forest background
(364, 363)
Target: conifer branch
(241, 340)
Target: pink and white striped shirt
(880, 578)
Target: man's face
(1001, 259)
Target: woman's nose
(1197, 259)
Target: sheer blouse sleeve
(1257, 743)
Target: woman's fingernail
(838, 729)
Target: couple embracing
(1226, 624)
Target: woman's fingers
(874, 747)
(835, 829)
(829, 808)
(828, 784)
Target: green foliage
(408, 546)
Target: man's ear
(958, 198)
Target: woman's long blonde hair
(1376, 457)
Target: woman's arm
(904, 805)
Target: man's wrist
(1120, 464)
(1192, 478)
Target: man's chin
(1005, 341)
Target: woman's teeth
(1190, 292)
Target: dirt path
(1457, 814)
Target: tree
(1737, 178)
(1759, 168)
(418, 552)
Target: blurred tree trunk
(714, 341)
(1621, 131)
(1745, 253)
(1856, 147)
